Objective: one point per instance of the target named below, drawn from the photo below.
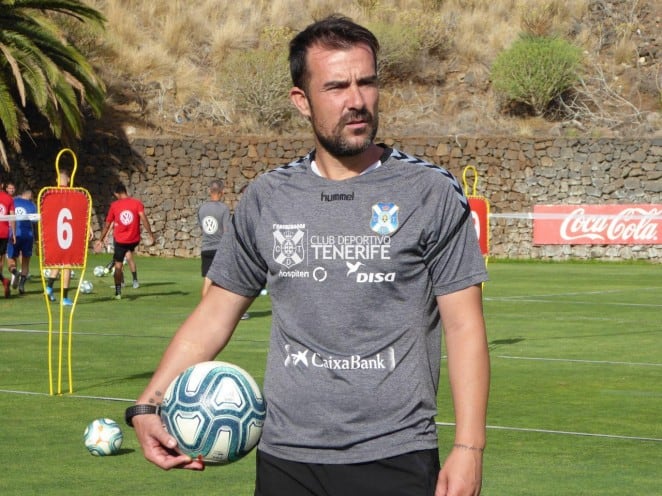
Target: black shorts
(120, 250)
(3, 246)
(207, 257)
(411, 474)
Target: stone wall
(171, 177)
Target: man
(23, 205)
(10, 188)
(63, 180)
(366, 251)
(124, 216)
(214, 220)
(7, 229)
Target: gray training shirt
(214, 220)
(353, 268)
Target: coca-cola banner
(597, 224)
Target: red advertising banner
(65, 214)
(597, 224)
(480, 209)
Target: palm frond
(41, 69)
(8, 114)
(11, 60)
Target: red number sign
(65, 214)
(479, 213)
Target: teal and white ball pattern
(215, 410)
(103, 437)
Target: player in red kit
(6, 208)
(124, 216)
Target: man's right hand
(159, 447)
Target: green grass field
(575, 406)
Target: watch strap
(140, 409)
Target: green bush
(535, 70)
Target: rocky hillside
(621, 93)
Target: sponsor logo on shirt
(307, 359)
(209, 224)
(305, 255)
(364, 276)
(126, 217)
(330, 197)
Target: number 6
(64, 230)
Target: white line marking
(79, 333)
(563, 216)
(521, 299)
(574, 360)
(565, 433)
(33, 393)
(442, 424)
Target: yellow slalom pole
(63, 265)
(61, 336)
(464, 180)
(50, 333)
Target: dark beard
(337, 146)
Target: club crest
(384, 218)
(288, 247)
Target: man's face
(11, 189)
(342, 99)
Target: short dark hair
(120, 188)
(216, 186)
(334, 31)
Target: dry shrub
(625, 52)
(537, 20)
(551, 17)
(258, 82)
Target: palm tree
(43, 74)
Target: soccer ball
(47, 273)
(86, 287)
(215, 410)
(103, 437)
(99, 271)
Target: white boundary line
(523, 299)
(78, 396)
(575, 360)
(80, 333)
(564, 433)
(582, 293)
(562, 216)
(440, 424)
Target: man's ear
(300, 101)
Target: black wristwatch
(141, 409)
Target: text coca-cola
(597, 224)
